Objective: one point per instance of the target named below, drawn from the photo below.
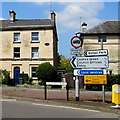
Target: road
(15, 109)
(52, 90)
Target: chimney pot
(84, 27)
(53, 16)
(12, 15)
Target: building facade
(109, 32)
(27, 43)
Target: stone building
(109, 32)
(26, 43)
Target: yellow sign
(116, 94)
(95, 79)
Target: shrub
(29, 81)
(46, 72)
(5, 77)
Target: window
(35, 52)
(35, 36)
(16, 37)
(33, 72)
(103, 38)
(16, 52)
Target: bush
(5, 77)
(112, 79)
(29, 81)
(46, 72)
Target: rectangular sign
(89, 62)
(96, 52)
(89, 72)
(76, 51)
(95, 79)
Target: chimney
(12, 16)
(53, 16)
(84, 27)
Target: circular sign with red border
(76, 42)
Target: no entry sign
(76, 42)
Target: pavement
(88, 99)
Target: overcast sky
(69, 15)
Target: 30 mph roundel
(76, 42)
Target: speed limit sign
(76, 42)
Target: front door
(16, 75)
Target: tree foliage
(46, 72)
(64, 63)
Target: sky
(69, 15)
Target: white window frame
(34, 52)
(37, 36)
(100, 37)
(16, 53)
(17, 36)
(33, 72)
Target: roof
(105, 27)
(25, 24)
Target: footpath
(88, 99)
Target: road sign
(76, 42)
(89, 72)
(95, 79)
(76, 51)
(96, 53)
(89, 62)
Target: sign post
(103, 86)
(77, 91)
(76, 42)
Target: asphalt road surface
(15, 109)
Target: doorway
(16, 75)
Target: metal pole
(67, 88)
(103, 86)
(77, 88)
(45, 90)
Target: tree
(64, 63)
(46, 72)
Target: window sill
(103, 42)
(16, 58)
(17, 42)
(34, 58)
(35, 41)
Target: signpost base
(77, 98)
(116, 106)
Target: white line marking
(8, 100)
(65, 107)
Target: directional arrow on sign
(89, 62)
(72, 62)
(89, 53)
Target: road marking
(7, 100)
(65, 107)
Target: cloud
(1, 18)
(69, 17)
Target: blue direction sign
(89, 72)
